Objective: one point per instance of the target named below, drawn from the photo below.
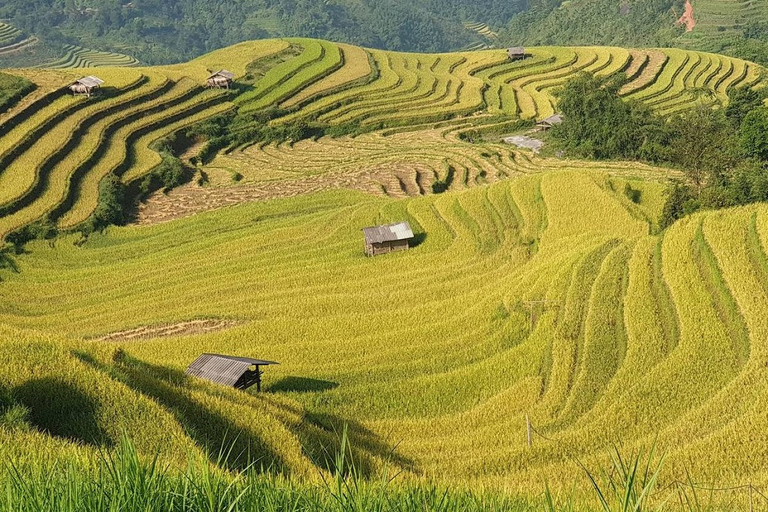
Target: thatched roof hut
(385, 239)
(221, 79)
(86, 85)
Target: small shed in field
(516, 53)
(221, 79)
(86, 85)
(237, 372)
(549, 122)
(386, 239)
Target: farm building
(86, 86)
(386, 239)
(237, 372)
(549, 122)
(516, 53)
(221, 79)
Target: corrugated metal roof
(390, 233)
(223, 369)
(90, 81)
(552, 120)
(223, 72)
(516, 50)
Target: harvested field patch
(189, 328)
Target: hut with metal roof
(386, 239)
(237, 372)
(516, 53)
(549, 122)
(86, 85)
(221, 79)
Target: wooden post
(258, 379)
(528, 430)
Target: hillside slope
(56, 150)
(157, 32)
(645, 337)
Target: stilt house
(386, 239)
(237, 372)
(221, 79)
(86, 86)
(516, 53)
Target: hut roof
(223, 369)
(89, 81)
(516, 50)
(223, 73)
(552, 120)
(389, 233)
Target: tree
(599, 124)
(704, 145)
(754, 134)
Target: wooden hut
(386, 239)
(516, 53)
(221, 79)
(86, 85)
(549, 122)
(237, 372)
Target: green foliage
(111, 205)
(157, 32)
(12, 89)
(754, 134)
(599, 124)
(632, 23)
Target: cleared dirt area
(166, 331)
(688, 19)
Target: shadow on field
(418, 239)
(301, 385)
(320, 435)
(63, 410)
(224, 443)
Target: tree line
(722, 152)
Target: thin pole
(528, 430)
(258, 379)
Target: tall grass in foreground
(122, 481)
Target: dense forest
(163, 31)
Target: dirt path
(687, 18)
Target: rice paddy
(538, 290)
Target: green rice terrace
(541, 319)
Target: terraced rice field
(646, 339)
(79, 57)
(391, 164)
(411, 88)
(720, 22)
(8, 34)
(432, 357)
(56, 149)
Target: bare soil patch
(688, 19)
(166, 331)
